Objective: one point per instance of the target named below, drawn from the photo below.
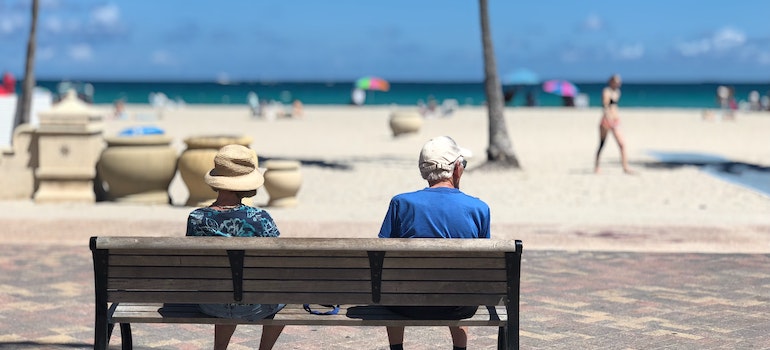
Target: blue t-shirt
(241, 221)
(439, 212)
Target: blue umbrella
(521, 76)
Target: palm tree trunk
(24, 102)
(500, 150)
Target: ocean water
(696, 95)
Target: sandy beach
(352, 165)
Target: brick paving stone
(570, 300)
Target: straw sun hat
(235, 169)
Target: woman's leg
(222, 335)
(622, 146)
(459, 336)
(602, 139)
(270, 335)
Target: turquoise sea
(679, 95)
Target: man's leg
(459, 337)
(395, 337)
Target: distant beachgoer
(297, 109)
(357, 97)
(531, 100)
(120, 110)
(754, 103)
(253, 101)
(9, 84)
(732, 104)
(610, 122)
(509, 95)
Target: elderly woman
(234, 177)
(611, 122)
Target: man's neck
(448, 183)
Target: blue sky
(400, 40)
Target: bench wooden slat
(443, 263)
(442, 287)
(248, 273)
(248, 297)
(278, 286)
(466, 246)
(294, 314)
(445, 275)
(223, 261)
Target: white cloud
(593, 22)
(727, 38)
(106, 15)
(81, 52)
(11, 24)
(694, 48)
(720, 41)
(630, 52)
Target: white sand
(554, 202)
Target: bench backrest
(307, 270)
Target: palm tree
(500, 150)
(24, 103)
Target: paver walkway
(570, 300)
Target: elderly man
(440, 210)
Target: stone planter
(198, 159)
(282, 182)
(138, 169)
(405, 122)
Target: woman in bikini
(610, 122)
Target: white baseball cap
(441, 153)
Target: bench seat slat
(294, 314)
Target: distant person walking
(611, 122)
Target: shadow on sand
(752, 176)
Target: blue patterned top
(241, 221)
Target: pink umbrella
(560, 87)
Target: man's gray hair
(438, 174)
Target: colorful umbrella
(521, 76)
(373, 83)
(560, 87)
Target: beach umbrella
(521, 76)
(373, 83)
(560, 87)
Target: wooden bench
(162, 279)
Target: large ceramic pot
(138, 169)
(402, 122)
(282, 182)
(198, 159)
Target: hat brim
(248, 182)
(465, 153)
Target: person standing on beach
(611, 122)
(439, 211)
(234, 177)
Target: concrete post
(70, 141)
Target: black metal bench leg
(125, 336)
(501, 341)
